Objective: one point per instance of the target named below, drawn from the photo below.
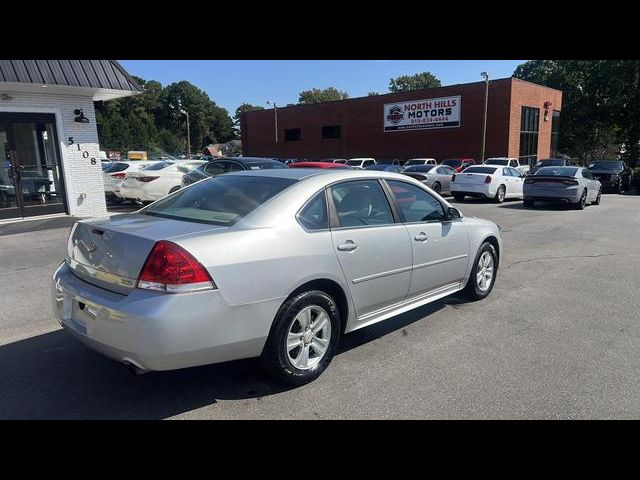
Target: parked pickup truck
(508, 162)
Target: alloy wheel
(484, 271)
(308, 337)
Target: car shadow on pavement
(53, 376)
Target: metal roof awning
(102, 79)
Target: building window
(292, 135)
(331, 131)
(529, 126)
(555, 130)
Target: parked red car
(459, 164)
(318, 165)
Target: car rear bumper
(158, 331)
(568, 194)
(484, 190)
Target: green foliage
(318, 95)
(600, 105)
(152, 121)
(245, 107)
(372, 94)
(418, 81)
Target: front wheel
(483, 273)
(303, 338)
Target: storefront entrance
(30, 168)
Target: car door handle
(348, 246)
(421, 237)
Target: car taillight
(118, 175)
(145, 179)
(170, 268)
(570, 182)
(487, 179)
(453, 177)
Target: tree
(592, 113)
(372, 94)
(318, 95)
(418, 81)
(245, 107)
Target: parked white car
(114, 174)
(361, 163)
(420, 161)
(507, 162)
(156, 181)
(487, 181)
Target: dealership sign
(418, 114)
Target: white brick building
(49, 148)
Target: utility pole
(486, 104)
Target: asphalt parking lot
(558, 338)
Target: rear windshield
(487, 170)
(156, 166)
(496, 161)
(550, 163)
(117, 167)
(221, 200)
(557, 171)
(606, 166)
(452, 163)
(354, 163)
(266, 165)
(419, 168)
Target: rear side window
(313, 215)
(216, 168)
(416, 204)
(360, 204)
(118, 167)
(220, 200)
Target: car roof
(302, 173)
(244, 160)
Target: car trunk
(551, 181)
(111, 252)
(470, 178)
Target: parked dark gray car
(573, 185)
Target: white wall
(79, 175)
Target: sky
(230, 83)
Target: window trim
(322, 132)
(309, 200)
(334, 221)
(403, 218)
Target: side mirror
(452, 213)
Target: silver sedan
(275, 264)
(437, 177)
(573, 185)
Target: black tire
(621, 188)
(275, 360)
(598, 198)
(500, 194)
(529, 203)
(458, 196)
(582, 202)
(472, 290)
(437, 187)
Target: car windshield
(187, 167)
(550, 163)
(354, 163)
(221, 200)
(485, 170)
(117, 167)
(496, 161)
(414, 162)
(557, 171)
(452, 163)
(383, 167)
(419, 168)
(264, 165)
(606, 166)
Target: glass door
(30, 175)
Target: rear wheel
(437, 187)
(303, 338)
(483, 273)
(582, 202)
(500, 194)
(597, 200)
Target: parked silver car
(573, 185)
(272, 263)
(437, 177)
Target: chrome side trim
(442, 260)
(381, 274)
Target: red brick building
(443, 122)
